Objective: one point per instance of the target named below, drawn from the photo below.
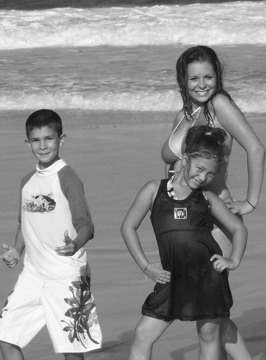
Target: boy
(54, 287)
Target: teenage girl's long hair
(199, 54)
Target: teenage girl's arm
(235, 227)
(13, 254)
(235, 123)
(131, 223)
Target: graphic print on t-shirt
(40, 203)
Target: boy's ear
(62, 139)
(27, 142)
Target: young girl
(200, 80)
(191, 284)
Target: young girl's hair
(200, 54)
(205, 141)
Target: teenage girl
(191, 278)
(200, 80)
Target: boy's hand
(11, 257)
(221, 263)
(70, 248)
(157, 273)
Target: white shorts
(66, 307)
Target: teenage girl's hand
(70, 248)
(11, 257)
(240, 207)
(157, 273)
(221, 263)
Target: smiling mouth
(202, 93)
(197, 182)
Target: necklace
(194, 116)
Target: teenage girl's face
(200, 172)
(201, 82)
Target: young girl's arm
(235, 227)
(131, 223)
(235, 123)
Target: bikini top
(173, 148)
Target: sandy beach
(115, 154)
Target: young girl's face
(201, 82)
(200, 172)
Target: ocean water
(120, 55)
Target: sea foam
(226, 23)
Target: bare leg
(147, 332)
(232, 341)
(209, 339)
(74, 356)
(226, 247)
(10, 351)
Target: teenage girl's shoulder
(222, 102)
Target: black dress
(183, 233)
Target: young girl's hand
(157, 273)
(220, 263)
(11, 257)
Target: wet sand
(115, 154)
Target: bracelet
(146, 267)
(254, 207)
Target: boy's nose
(43, 144)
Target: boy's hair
(44, 117)
(199, 54)
(206, 141)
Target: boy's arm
(235, 227)
(13, 254)
(72, 188)
(72, 246)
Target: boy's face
(200, 171)
(44, 144)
